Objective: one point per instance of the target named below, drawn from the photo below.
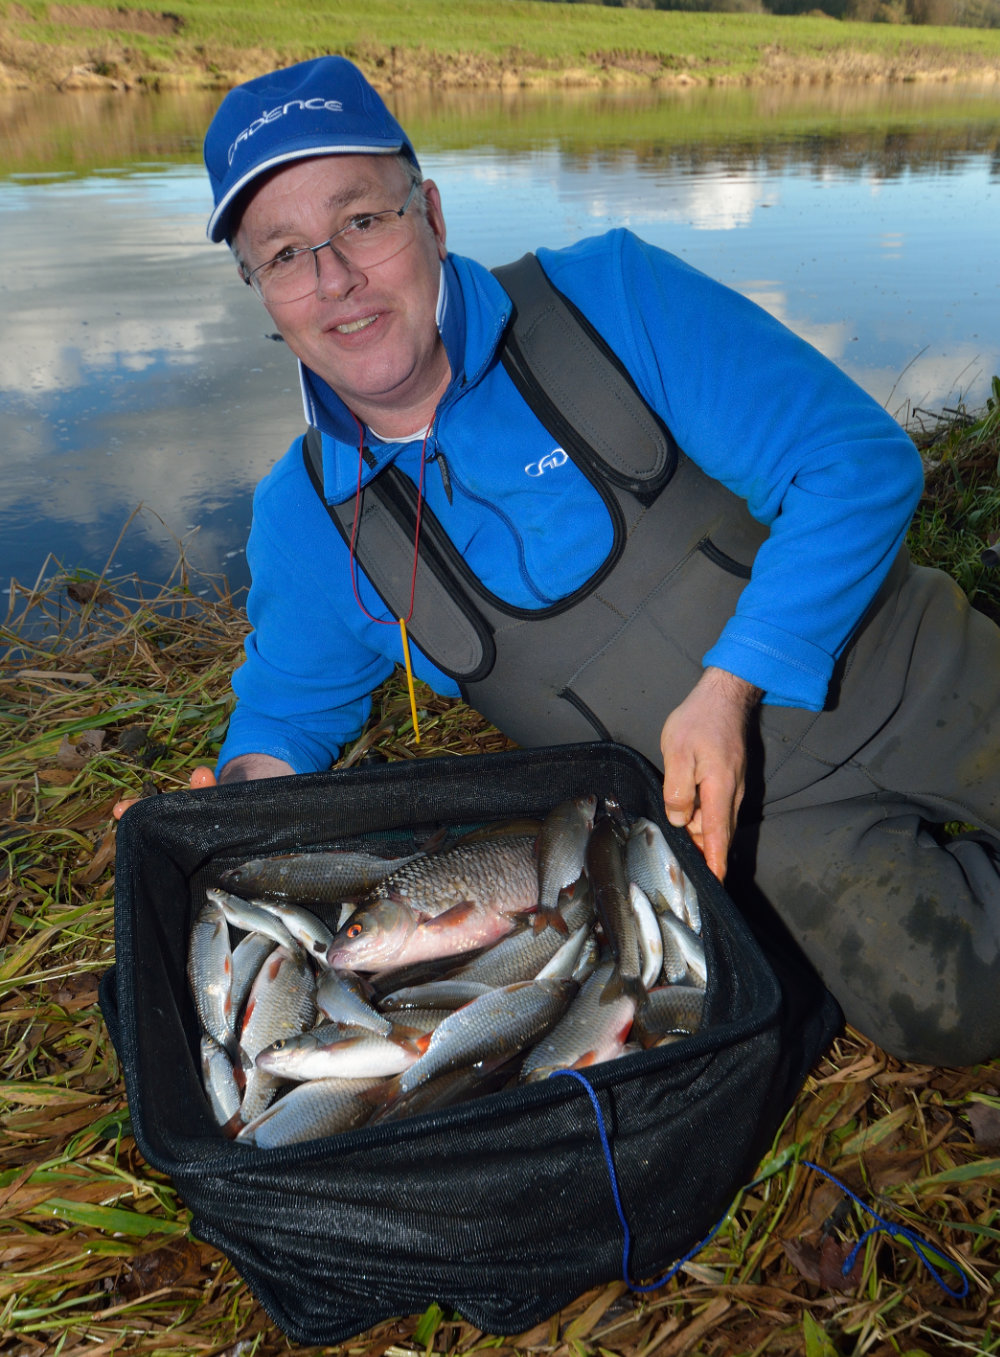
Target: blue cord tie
(921, 1246)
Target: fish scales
(589, 1032)
(496, 874)
(560, 849)
(493, 1027)
(321, 1107)
(325, 878)
(606, 871)
(210, 975)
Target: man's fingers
(202, 777)
(120, 807)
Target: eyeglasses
(364, 242)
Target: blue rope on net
(920, 1245)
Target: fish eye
(279, 1045)
(354, 929)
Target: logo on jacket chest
(557, 457)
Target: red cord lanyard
(413, 574)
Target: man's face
(371, 335)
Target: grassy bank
(102, 697)
(478, 43)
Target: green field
(469, 42)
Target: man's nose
(335, 275)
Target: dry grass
(108, 688)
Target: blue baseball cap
(319, 107)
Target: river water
(135, 369)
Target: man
(845, 700)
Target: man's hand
(704, 745)
(241, 769)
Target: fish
(282, 1003)
(251, 917)
(218, 1076)
(670, 1010)
(523, 953)
(210, 975)
(491, 1029)
(606, 872)
(650, 937)
(652, 864)
(590, 1031)
(559, 850)
(249, 955)
(325, 1053)
(497, 874)
(311, 934)
(320, 1107)
(388, 934)
(449, 994)
(341, 997)
(454, 1086)
(326, 878)
(688, 943)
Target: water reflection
(134, 367)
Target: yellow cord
(409, 680)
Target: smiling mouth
(351, 327)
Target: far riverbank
(491, 44)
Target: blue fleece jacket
(816, 459)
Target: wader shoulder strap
(578, 387)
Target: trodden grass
(110, 688)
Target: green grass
(472, 41)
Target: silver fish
(447, 994)
(282, 1003)
(454, 1086)
(669, 1011)
(219, 1079)
(251, 917)
(249, 955)
(320, 1107)
(652, 864)
(650, 938)
(560, 849)
(388, 934)
(692, 949)
(492, 1028)
(210, 975)
(522, 954)
(565, 964)
(326, 1053)
(497, 874)
(312, 878)
(311, 934)
(589, 1032)
(341, 997)
(606, 871)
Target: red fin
(457, 914)
(588, 1058)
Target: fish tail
(549, 918)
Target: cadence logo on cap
(273, 114)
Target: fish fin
(231, 1128)
(549, 918)
(381, 1094)
(457, 914)
(411, 1039)
(619, 984)
(581, 1063)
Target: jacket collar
(472, 314)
